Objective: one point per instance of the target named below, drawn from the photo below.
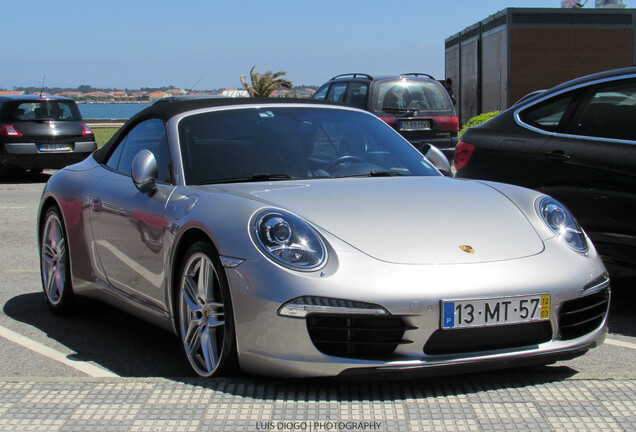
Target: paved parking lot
(104, 370)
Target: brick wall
(541, 58)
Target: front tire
(205, 316)
(55, 263)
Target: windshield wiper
(385, 174)
(375, 174)
(252, 178)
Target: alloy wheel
(202, 316)
(54, 258)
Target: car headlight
(562, 223)
(289, 240)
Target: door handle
(557, 156)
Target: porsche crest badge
(467, 248)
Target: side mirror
(438, 159)
(145, 172)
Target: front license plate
(55, 147)
(412, 125)
(497, 311)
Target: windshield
(279, 143)
(409, 94)
(45, 110)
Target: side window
(149, 135)
(610, 113)
(113, 160)
(547, 115)
(357, 95)
(337, 92)
(321, 93)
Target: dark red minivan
(415, 104)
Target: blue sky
(152, 43)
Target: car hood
(408, 220)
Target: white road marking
(619, 343)
(13, 208)
(87, 368)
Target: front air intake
(583, 315)
(356, 336)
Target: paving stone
(161, 405)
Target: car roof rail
(419, 74)
(353, 75)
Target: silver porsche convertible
(307, 239)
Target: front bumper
(472, 365)
(271, 344)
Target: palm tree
(263, 85)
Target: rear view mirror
(145, 172)
(438, 159)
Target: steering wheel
(342, 160)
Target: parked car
(576, 142)
(529, 96)
(414, 104)
(38, 132)
(302, 238)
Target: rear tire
(205, 317)
(55, 263)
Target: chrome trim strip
(302, 310)
(522, 124)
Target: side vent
(583, 315)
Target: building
(156, 95)
(234, 93)
(609, 4)
(495, 62)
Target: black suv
(414, 104)
(38, 132)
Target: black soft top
(167, 108)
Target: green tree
(263, 85)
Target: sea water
(110, 110)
